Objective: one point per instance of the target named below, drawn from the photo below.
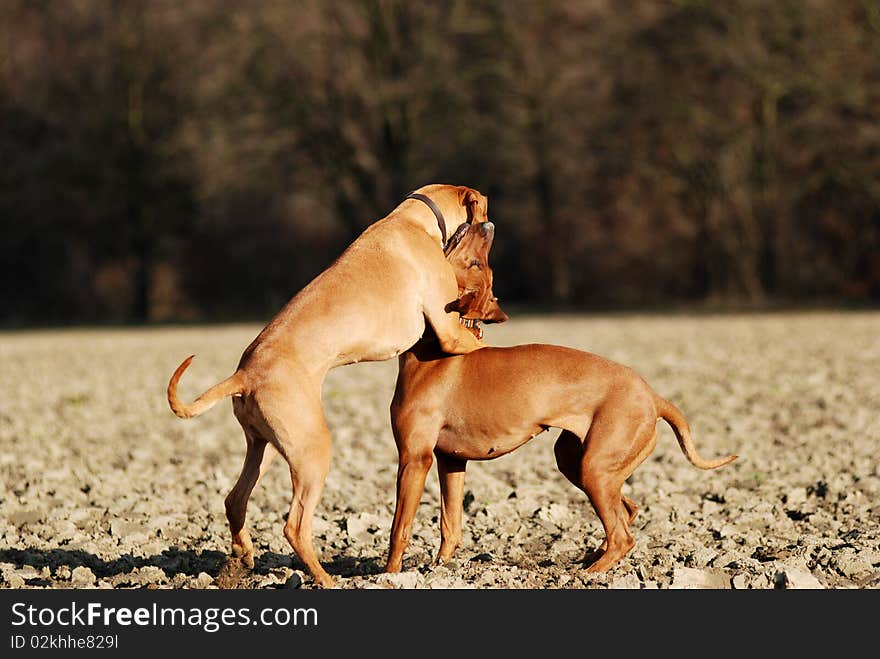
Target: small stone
(130, 533)
(153, 548)
(203, 580)
(710, 508)
(727, 531)
(294, 581)
(447, 582)
(853, 566)
(85, 517)
(149, 574)
(120, 528)
(801, 579)
(761, 582)
(740, 581)
(15, 581)
(555, 513)
(262, 581)
(321, 526)
(64, 529)
(362, 526)
(728, 559)
(692, 578)
(279, 576)
(485, 557)
(488, 578)
(795, 496)
(703, 556)
(82, 577)
(23, 517)
(25, 571)
(181, 581)
(400, 580)
(626, 582)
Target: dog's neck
(420, 360)
(425, 349)
(421, 212)
(438, 214)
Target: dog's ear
(487, 235)
(455, 239)
(463, 303)
(477, 206)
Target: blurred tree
(161, 160)
(91, 167)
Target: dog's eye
(476, 264)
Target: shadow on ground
(172, 561)
(175, 561)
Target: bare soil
(103, 487)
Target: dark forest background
(179, 161)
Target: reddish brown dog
(489, 402)
(371, 304)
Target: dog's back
(367, 292)
(491, 401)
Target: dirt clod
(113, 490)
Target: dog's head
(459, 204)
(468, 254)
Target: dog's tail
(675, 418)
(229, 387)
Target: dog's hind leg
(569, 451)
(241, 561)
(308, 483)
(257, 460)
(451, 472)
(613, 450)
(631, 508)
(294, 423)
(309, 463)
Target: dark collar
(427, 200)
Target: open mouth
(473, 324)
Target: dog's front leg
(451, 471)
(454, 338)
(411, 473)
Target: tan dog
(371, 304)
(489, 402)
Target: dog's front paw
(243, 550)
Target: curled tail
(229, 387)
(675, 418)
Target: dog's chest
(390, 339)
